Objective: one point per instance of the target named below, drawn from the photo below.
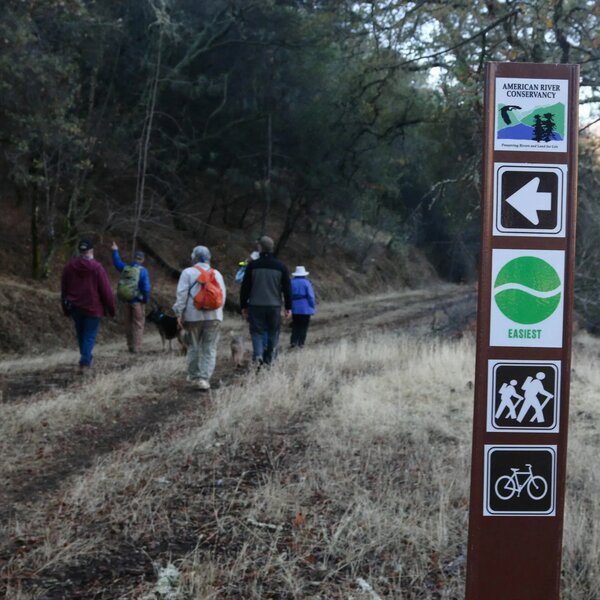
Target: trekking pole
(546, 401)
(518, 402)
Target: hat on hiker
(300, 272)
(201, 254)
(85, 245)
(139, 255)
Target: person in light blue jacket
(303, 306)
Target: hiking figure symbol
(532, 388)
(532, 407)
(507, 393)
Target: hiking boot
(202, 384)
(86, 371)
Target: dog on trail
(167, 327)
(237, 350)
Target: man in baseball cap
(86, 297)
(85, 245)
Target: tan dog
(237, 350)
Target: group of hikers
(266, 287)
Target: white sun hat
(300, 272)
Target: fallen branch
(149, 250)
(263, 525)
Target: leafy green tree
(332, 111)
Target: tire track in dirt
(123, 563)
(25, 385)
(85, 444)
(457, 307)
(90, 441)
(81, 447)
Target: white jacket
(187, 288)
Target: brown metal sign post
(525, 318)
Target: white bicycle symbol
(508, 485)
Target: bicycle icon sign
(520, 480)
(507, 486)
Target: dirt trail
(81, 444)
(446, 308)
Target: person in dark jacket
(86, 297)
(303, 306)
(266, 281)
(134, 313)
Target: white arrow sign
(528, 201)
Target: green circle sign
(527, 290)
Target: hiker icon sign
(523, 396)
(527, 298)
(519, 480)
(529, 200)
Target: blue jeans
(264, 330)
(86, 328)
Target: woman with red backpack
(199, 311)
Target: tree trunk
(178, 222)
(173, 272)
(327, 234)
(267, 207)
(35, 238)
(208, 219)
(145, 145)
(248, 206)
(291, 219)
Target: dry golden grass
(343, 472)
(581, 555)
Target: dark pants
(264, 322)
(86, 328)
(300, 325)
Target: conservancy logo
(544, 123)
(531, 114)
(527, 290)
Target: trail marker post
(524, 330)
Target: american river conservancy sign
(524, 327)
(531, 114)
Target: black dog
(167, 327)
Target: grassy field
(341, 473)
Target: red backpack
(210, 294)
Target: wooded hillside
(120, 118)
